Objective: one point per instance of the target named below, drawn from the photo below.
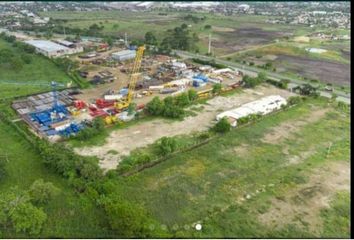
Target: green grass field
(206, 183)
(39, 70)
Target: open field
(69, 214)
(39, 70)
(234, 182)
(127, 139)
(229, 34)
(332, 66)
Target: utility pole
(125, 40)
(209, 49)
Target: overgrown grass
(192, 186)
(337, 217)
(39, 70)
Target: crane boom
(133, 78)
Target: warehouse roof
(45, 45)
(65, 43)
(124, 52)
(261, 106)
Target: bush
(183, 100)
(216, 88)
(192, 95)
(170, 107)
(155, 106)
(222, 126)
(204, 136)
(26, 58)
(294, 100)
(167, 145)
(41, 192)
(251, 82)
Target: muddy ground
(244, 38)
(125, 140)
(326, 71)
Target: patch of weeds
(113, 152)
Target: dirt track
(125, 140)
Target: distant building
(52, 49)
(262, 106)
(124, 55)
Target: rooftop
(46, 45)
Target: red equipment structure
(79, 104)
(102, 103)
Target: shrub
(294, 100)
(182, 100)
(167, 145)
(155, 106)
(42, 192)
(216, 88)
(26, 58)
(192, 95)
(222, 126)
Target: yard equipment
(204, 93)
(102, 103)
(102, 47)
(134, 75)
(110, 119)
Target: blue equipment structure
(72, 129)
(201, 77)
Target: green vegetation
(251, 82)
(210, 63)
(283, 84)
(193, 185)
(222, 126)
(171, 107)
(90, 131)
(337, 217)
(29, 68)
(66, 212)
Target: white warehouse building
(52, 49)
(262, 106)
(124, 55)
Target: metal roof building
(262, 106)
(52, 49)
(124, 55)
(48, 48)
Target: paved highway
(252, 71)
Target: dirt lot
(329, 72)
(125, 140)
(302, 206)
(244, 38)
(285, 129)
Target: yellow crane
(133, 78)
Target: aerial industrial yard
(131, 120)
